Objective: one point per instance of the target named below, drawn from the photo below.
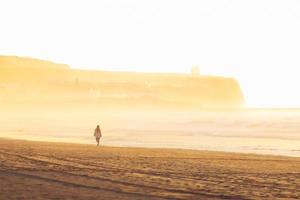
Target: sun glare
(255, 42)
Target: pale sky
(257, 42)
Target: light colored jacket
(97, 133)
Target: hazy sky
(257, 42)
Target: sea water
(274, 132)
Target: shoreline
(79, 142)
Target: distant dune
(27, 81)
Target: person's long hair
(98, 128)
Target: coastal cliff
(27, 80)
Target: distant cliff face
(28, 69)
(30, 80)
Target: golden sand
(41, 170)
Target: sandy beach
(149, 100)
(42, 170)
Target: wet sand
(41, 170)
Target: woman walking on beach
(97, 134)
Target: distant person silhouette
(97, 134)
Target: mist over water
(250, 131)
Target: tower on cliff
(195, 71)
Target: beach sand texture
(41, 170)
